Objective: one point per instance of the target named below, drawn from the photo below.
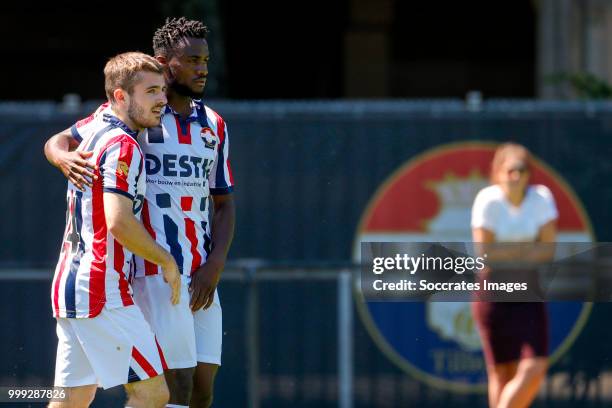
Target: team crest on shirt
(123, 168)
(208, 137)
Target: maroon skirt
(511, 331)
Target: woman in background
(514, 335)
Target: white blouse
(493, 211)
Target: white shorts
(209, 332)
(116, 347)
(172, 324)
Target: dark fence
(281, 347)
(304, 174)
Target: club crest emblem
(442, 347)
(122, 168)
(208, 137)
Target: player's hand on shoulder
(77, 168)
(204, 281)
(172, 277)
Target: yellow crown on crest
(458, 192)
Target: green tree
(586, 85)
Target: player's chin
(515, 185)
(152, 121)
(198, 87)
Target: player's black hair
(170, 35)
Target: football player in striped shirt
(103, 336)
(188, 169)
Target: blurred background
(336, 109)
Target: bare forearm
(62, 142)
(223, 223)
(128, 230)
(73, 164)
(542, 250)
(206, 277)
(132, 235)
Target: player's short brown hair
(122, 71)
(504, 151)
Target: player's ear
(119, 95)
(161, 59)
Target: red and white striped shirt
(187, 160)
(93, 268)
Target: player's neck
(179, 103)
(124, 117)
(514, 195)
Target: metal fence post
(345, 340)
(252, 334)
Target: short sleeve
(221, 180)
(80, 129)
(483, 210)
(120, 167)
(546, 208)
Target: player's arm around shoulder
(60, 151)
